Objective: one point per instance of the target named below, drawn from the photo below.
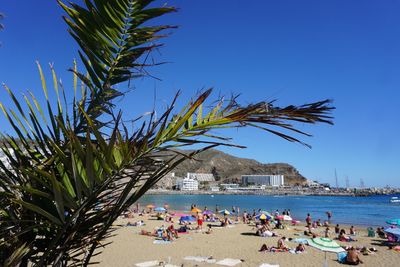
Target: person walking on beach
(199, 221)
(308, 221)
(329, 215)
(216, 209)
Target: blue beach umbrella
(393, 231)
(393, 222)
(160, 209)
(187, 218)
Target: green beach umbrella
(325, 244)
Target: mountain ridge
(228, 168)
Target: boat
(394, 200)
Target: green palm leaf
(65, 179)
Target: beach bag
(371, 232)
(341, 257)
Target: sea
(362, 211)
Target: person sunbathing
(380, 232)
(345, 238)
(172, 231)
(327, 233)
(265, 232)
(281, 243)
(148, 233)
(352, 257)
(281, 246)
(225, 222)
(300, 248)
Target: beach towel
(301, 240)
(228, 262)
(161, 242)
(147, 264)
(278, 250)
(269, 265)
(200, 259)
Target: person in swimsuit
(352, 257)
(199, 221)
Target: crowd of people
(264, 226)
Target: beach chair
(371, 232)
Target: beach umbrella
(181, 215)
(160, 209)
(150, 206)
(325, 244)
(196, 210)
(287, 218)
(188, 218)
(393, 231)
(207, 212)
(266, 213)
(225, 212)
(393, 222)
(261, 216)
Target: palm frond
(114, 40)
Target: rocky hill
(227, 168)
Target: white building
(267, 180)
(229, 186)
(201, 177)
(187, 184)
(214, 188)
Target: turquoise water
(368, 211)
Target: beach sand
(236, 242)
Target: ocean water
(366, 211)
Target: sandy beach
(237, 241)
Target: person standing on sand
(216, 209)
(308, 221)
(199, 221)
(329, 215)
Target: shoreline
(264, 193)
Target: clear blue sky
(293, 51)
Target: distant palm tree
(70, 170)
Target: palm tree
(70, 170)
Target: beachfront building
(187, 184)
(311, 183)
(201, 177)
(267, 180)
(229, 186)
(214, 188)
